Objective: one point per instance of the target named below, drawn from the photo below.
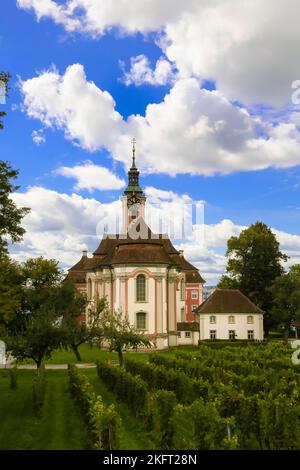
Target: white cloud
(249, 48)
(97, 16)
(38, 137)
(60, 226)
(51, 9)
(192, 131)
(141, 73)
(90, 176)
(156, 195)
(70, 102)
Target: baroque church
(142, 275)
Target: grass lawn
(91, 355)
(88, 355)
(59, 426)
(133, 435)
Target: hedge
(132, 390)
(103, 422)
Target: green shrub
(162, 406)
(103, 422)
(203, 427)
(128, 388)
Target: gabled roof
(228, 301)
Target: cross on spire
(133, 141)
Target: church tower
(133, 199)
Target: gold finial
(133, 141)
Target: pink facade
(193, 298)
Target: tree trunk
(38, 362)
(120, 356)
(286, 333)
(76, 352)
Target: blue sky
(30, 48)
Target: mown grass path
(59, 426)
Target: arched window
(250, 319)
(141, 320)
(182, 289)
(212, 319)
(89, 289)
(231, 319)
(141, 288)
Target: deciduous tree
(286, 293)
(36, 331)
(119, 334)
(10, 215)
(254, 262)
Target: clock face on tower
(133, 200)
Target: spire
(133, 167)
(133, 176)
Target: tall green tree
(286, 293)
(254, 262)
(4, 79)
(119, 334)
(10, 215)
(10, 291)
(36, 331)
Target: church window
(141, 288)
(212, 319)
(250, 319)
(194, 294)
(182, 289)
(141, 320)
(231, 319)
(89, 289)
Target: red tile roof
(148, 248)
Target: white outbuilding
(229, 314)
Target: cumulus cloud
(60, 226)
(95, 17)
(38, 137)
(141, 73)
(68, 102)
(51, 9)
(90, 176)
(192, 130)
(249, 48)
